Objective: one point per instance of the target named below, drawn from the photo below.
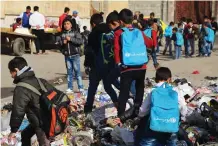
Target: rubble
(101, 127)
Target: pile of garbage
(102, 128)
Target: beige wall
(48, 8)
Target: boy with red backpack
(45, 106)
(131, 56)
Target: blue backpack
(179, 39)
(134, 51)
(210, 35)
(164, 116)
(147, 32)
(168, 31)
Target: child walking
(178, 42)
(168, 34)
(70, 47)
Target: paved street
(52, 67)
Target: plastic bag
(122, 135)
(5, 120)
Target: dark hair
(152, 14)
(17, 62)
(84, 27)
(126, 16)
(141, 16)
(72, 21)
(189, 20)
(28, 8)
(179, 24)
(66, 9)
(113, 16)
(183, 19)
(150, 22)
(102, 13)
(205, 17)
(163, 74)
(35, 8)
(155, 20)
(175, 29)
(96, 19)
(18, 20)
(171, 23)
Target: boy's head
(66, 10)
(155, 20)
(179, 25)
(28, 9)
(112, 20)
(125, 17)
(15, 65)
(171, 23)
(190, 22)
(68, 24)
(19, 20)
(175, 29)
(96, 19)
(152, 15)
(141, 16)
(84, 28)
(36, 8)
(183, 19)
(150, 22)
(163, 74)
(205, 19)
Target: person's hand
(121, 65)
(68, 38)
(37, 27)
(11, 136)
(65, 41)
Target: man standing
(215, 28)
(25, 16)
(63, 16)
(37, 22)
(76, 17)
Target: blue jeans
(177, 51)
(191, 43)
(154, 56)
(154, 142)
(168, 44)
(73, 64)
(207, 48)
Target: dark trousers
(27, 134)
(125, 83)
(94, 78)
(113, 77)
(39, 41)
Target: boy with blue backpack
(151, 33)
(178, 42)
(168, 34)
(209, 38)
(131, 57)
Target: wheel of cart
(19, 41)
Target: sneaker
(205, 55)
(69, 91)
(82, 91)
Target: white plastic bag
(5, 120)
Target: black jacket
(26, 101)
(94, 43)
(73, 46)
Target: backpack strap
(28, 86)
(42, 86)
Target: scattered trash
(102, 127)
